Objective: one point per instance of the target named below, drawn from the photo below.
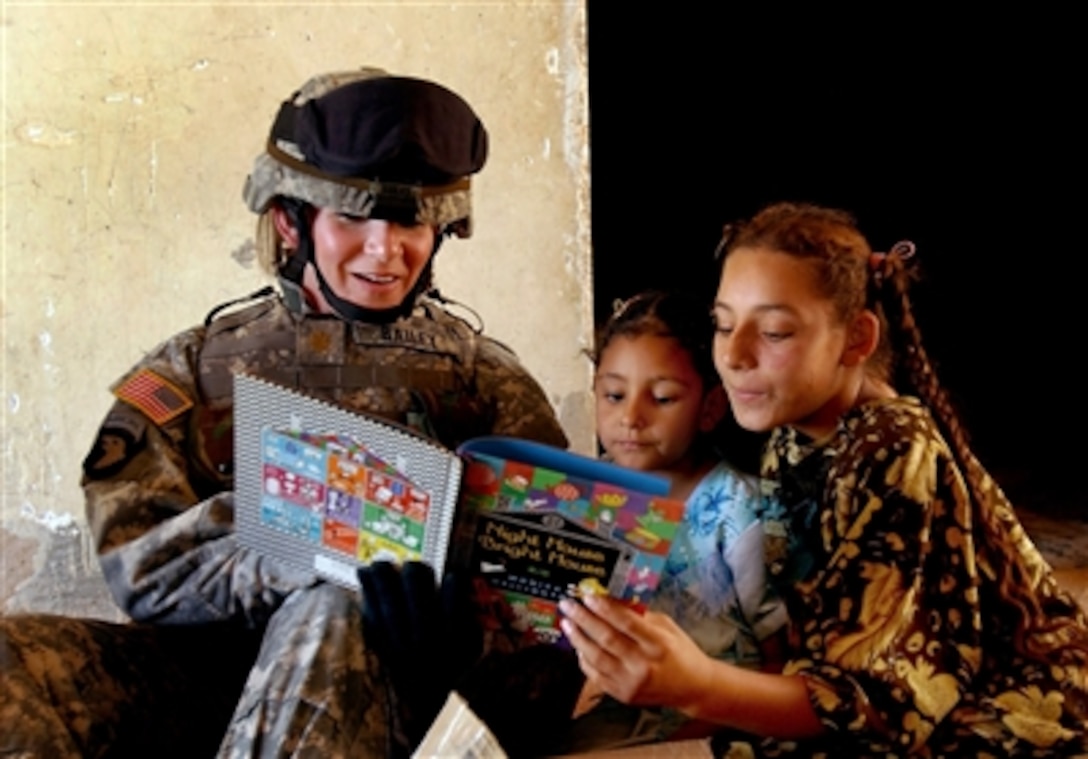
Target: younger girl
(922, 619)
(661, 409)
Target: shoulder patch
(154, 395)
(120, 438)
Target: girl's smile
(783, 353)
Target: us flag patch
(153, 395)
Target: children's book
(329, 490)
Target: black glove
(425, 636)
(526, 697)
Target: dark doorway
(963, 136)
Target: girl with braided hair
(923, 621)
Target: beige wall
(128, 131)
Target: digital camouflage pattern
(161, 512)
(73, 688)
(321, 84)
(904, 596)
(314, 689)
(279, 175)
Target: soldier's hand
(426, 636)
(526, 697)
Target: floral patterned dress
(909, 600)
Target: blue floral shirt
(714, 583)
(715, 587)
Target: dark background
(963, 135)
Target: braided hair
(854, 278)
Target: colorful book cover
(539, 524)
(330, 490)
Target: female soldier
(363, 176)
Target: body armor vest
(418, 371)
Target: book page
(329, 490)
(540, 524)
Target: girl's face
(784, 355)
(372, 263)
(651, 403)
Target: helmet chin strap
(292, 271)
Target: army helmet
(374, 145)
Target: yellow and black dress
(923, 620)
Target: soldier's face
(372, 263)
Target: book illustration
(539, 534)
(328, 490)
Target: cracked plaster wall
(128, 131)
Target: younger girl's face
(650, 402)
(779, 345)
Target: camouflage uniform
(228, 649)
(161, 512)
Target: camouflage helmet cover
(374, 145)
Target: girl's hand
(646, 659)
(591, 695)
(642, 659)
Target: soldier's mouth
(377, 279)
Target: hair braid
(912, 368)
(915, 373)
(853, 277)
